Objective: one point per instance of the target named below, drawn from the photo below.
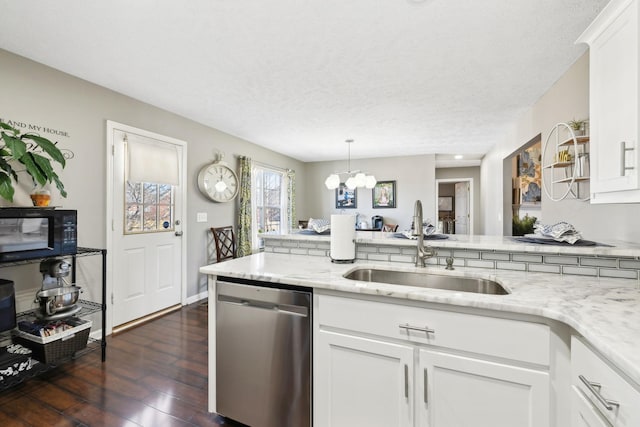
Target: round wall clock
(218, 182)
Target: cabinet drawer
(512, 339)
(590, 366)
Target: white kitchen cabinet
(467, 391)
(601, 396)
(362, 382)
(584, 413)
(383, 364)
(615, 154)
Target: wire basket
(57, 348)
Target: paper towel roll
(343, 238)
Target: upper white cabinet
(615, 154)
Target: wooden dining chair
(225, 242)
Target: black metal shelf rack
(87, 307)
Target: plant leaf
(48, 147)
(16, 146)
(33, 169)
(45, 166)
(6, 167)
(6, 188)
(7, 126)
(51, 176)
(60, 186)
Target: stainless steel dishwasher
(263, 354)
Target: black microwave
(28, 233)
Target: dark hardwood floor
(154, 375)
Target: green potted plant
(577, 126)
(32, 152)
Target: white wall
(33, 93)
(415, 180)
(568, 98)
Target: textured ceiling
(299, 77)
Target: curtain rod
(264, 165)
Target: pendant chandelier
(354, 179)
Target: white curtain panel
(152, 161)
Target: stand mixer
(57, 298)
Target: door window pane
(149, 207)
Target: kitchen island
(604, 310)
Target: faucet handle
(449, 261)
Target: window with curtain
(269, 202)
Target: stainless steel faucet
(422, 253)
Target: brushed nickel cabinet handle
(426, 387)
(406, 381)
(425, 329)
(594, 388)
(623, 157)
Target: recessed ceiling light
(458, 156)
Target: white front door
(147, 248)
(462, 208)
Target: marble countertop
(605, 311)
(498, 243)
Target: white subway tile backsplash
(388, 250)
(599, 262)
(318, 252)
(496, 256)
(620, 274)
(402, 258)
(580, 271)
(611, 266)
(526, 258)
(465, 254)
(480, 264)
(441, 252)
(378, 257)
(626, 263)
(511, 266)
(558, 259)
(544, 268)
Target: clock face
(218, 182)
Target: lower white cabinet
(362, 382)
(583, 413)
(366, 374)
(601, 396)
(465, 391)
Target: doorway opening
(522, 185)
(454, 198)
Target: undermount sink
(426, 280)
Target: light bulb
(332, 182)
(370, 181)
(351, 183)
(360, 180)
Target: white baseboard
(197, 297)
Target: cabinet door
(614, 106)
(361, 382)
(459, 391)
(583, 413)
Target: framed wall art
(384, 194)
(345, 198)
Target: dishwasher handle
(293, 310)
